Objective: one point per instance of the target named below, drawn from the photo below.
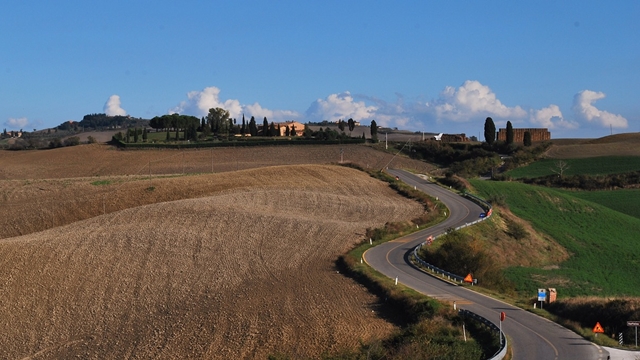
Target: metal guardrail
(502, 351)
(437, 270)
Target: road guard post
(635, 324)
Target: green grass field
(604, 244)
(590, 166)
(625, 200)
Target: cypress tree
(374, 130)
(509, 133)
(253, 128)
(527, 138)
(489, 131)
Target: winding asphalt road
(530, 336)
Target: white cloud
(198, 103)
(112, 106)
(340, 106)
(551, 118)
(259, 112)
(584, 110)
(17, 123)
(471, 101)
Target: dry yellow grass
(240, 268)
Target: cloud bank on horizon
(17, 123)
(472, 101)
(452, 108)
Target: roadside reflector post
(635, 324)
(464, 333)
(454, 305)
(502, 317)
(396, 280)
(370, 241)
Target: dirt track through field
(243, 271)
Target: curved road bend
(531, 337)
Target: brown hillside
(241, 273)
(621, 145)
(104, 160)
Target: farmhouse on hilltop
(291, 124)
(537, 134)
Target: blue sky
(571, 66)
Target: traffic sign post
(468, 279)
(542, 296)
(598, 329)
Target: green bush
(516, 230)
(72, 141)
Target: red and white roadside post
(502, 317)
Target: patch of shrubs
(516, 230)
(588, 182)
(461, 254)
(451, 180)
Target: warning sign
(598, 328)
(468, 279)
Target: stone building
(291, 124)
(537, 134)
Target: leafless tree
(560, 167)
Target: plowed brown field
(615, 145)
(104, 160)
(221, 266)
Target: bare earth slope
(615, 145)
(241, 273)
(104, 160)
